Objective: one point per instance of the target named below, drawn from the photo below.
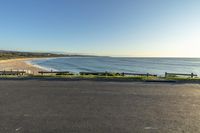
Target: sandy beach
(19, 64)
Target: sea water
(113, 64)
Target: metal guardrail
(140, 74)
(121, 74)
(12, 72)
(55, 72)
(100, 73)
(17, 72)
(180, 74)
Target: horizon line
(100, 55)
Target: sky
(135, 28)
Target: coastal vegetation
(110, 77)
(4, 55)
(15, 54)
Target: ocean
(114, 64)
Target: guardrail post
(123, 74)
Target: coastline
(21, 64)
(32, 69)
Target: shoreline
(25, 64)
(21, 64)
(29, 62)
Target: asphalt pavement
(36, 106)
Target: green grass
(99, 77)
(13, 76)
(183, 78)
(76, 76)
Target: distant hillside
(16, 54)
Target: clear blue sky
(102, 27)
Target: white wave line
(39, 66)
